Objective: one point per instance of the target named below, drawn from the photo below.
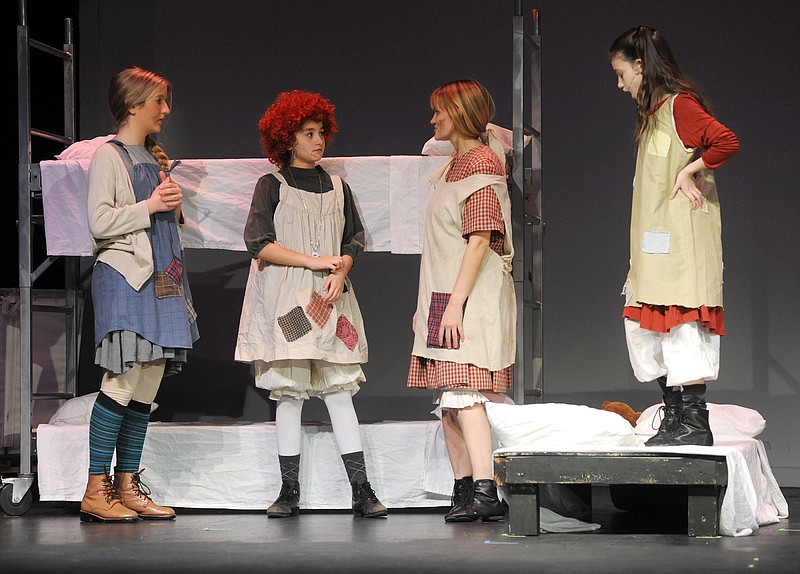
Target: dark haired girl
(673, 311)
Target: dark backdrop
(378, 63)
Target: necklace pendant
(314, 253)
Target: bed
(391, 192)
(730, 487)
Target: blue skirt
(167, 324)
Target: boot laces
(457, 490)
(366, 487)
(463, 493)
(109, 492)
(660, 414)
(139, 488)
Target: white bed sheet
(391, 192)
(235, 466)
(752, 497)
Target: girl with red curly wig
(286, 117)
(301, 326)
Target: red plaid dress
(481, 213)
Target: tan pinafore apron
(676, 251)
(283, 316)
(490, 312)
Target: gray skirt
(120, 349)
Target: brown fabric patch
(165, 286)
(294, 324)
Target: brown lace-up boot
(101, 504)
(135, 495)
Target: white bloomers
(688, 352)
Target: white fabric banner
(391, 194)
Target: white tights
(288, 420)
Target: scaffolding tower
(15, 495)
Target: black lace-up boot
(671, 412)
(460, 501)
(287, 503)
(694, 428)
(365, 502)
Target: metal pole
(525, 204)
(522, 364)
(25, 253)
(71, 264)
(533, 212)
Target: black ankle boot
(694, 428)
(461, 499)
(673, 405)
(485, 504)
(287, 503)
(365, 502)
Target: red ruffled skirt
(661, 318)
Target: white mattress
(391, 192)
(235, 466)
(752, 497)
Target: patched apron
(490, 312)
(161, 311)
(676, 251)
(283, 315)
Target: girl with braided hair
(144, 318)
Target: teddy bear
(622, 409)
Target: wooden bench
(521, 473)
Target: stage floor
(51, 538)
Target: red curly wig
(286, 116)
